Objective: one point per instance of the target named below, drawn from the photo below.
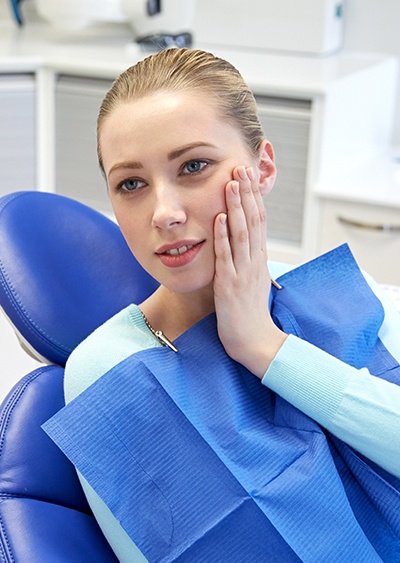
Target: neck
(174, 313)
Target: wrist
(258, 360)
(274, 345)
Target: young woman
(187, 167)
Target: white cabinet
(77, 172)
(286, 123)
(17, 133)
(372, 232)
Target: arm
(360, 409)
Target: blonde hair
(183, 70)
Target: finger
(222, 247)
(237, 223)
(249, 191)
(261, 208)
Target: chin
(188, 285)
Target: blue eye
(194, 166)
(131, 185)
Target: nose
(168, 210)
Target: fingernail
(250, 173)
(235, 187)
(222, 219)
(242, 172)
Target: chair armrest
(34, 531)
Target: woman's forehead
(161, 112)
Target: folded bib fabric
(199, 462)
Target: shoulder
(277, 269)
(119, 337)
(390, 329)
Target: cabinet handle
(368, 226)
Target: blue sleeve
(360, 409)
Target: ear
(266, 167)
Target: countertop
(376, 182)
(105, 50)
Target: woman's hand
(242, 283)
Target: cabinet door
(286, 123)
(372, 232)
(17, 133)
(77, 172)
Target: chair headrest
(64, 270)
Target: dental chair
(64, 270)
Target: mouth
(180, 250)
(174, 256)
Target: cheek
(210, 206)
(216, 199)
(130, 226)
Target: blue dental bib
(200, 462)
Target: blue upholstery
(64, 269)
(44, 516)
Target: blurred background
(325, 74)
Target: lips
(178, 254)
(177, 248)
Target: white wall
(374, 25)
(14, 362)
(4, 11)
(370, 25)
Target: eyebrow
(180, 151)
(125, 164)
(176, 153)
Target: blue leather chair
(64, 270)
